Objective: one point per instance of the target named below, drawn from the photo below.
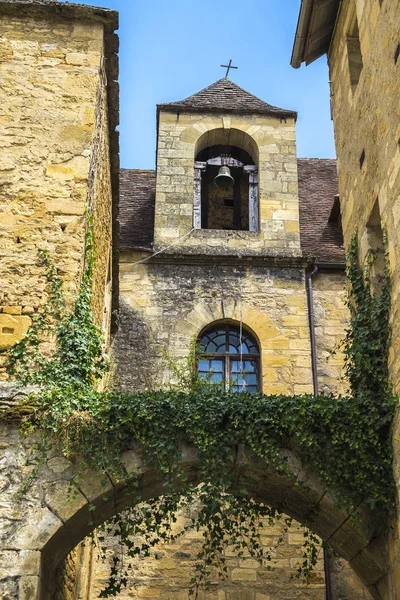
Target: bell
(224, 178)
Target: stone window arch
(235, 208)
(229, 354)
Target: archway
(357, 538)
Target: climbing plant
(346, 440)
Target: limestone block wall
(164, 306)
(272, 144)
(367, 135)
(167, 575)
(331, 317)
(54, 159)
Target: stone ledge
(69, 10)
(12, 396)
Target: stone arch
(259, 323)
(232, 321)
(228, 136)
(356, 537)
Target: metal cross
(228, 67)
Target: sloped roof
(226, 96)
(320, 238)
(137, 202)
(318, 185)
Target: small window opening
(63, 227)
(397, 54)
(362, 159)
(229, 356)
(376, 250)
(231, 207)
(354, 55)
(18, 240)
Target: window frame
(228, 357)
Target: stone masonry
(269, 140)
(54, 131)
(367, 131)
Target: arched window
(229, 355)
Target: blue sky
(172, 49)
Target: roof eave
(285, 114)
(314, 30)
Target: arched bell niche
(226, 188)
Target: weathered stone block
(12, 329)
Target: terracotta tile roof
(136, 214)
(226, 96)
(318, 186)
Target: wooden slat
(253, 201)
(197, 199)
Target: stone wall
(269, 141)
(39, 527)
(73, 577)
(100, 202)
(330, 319)
(167, 575)
(367, 131)
(50, 119)
(164, 306)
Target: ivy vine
(346, 439)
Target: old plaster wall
(52, 103)
(367, 121)
(270, 142)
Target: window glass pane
(216, 377)
(233, 342)
(243, 376)
(203, 365)
(249, 366)
(244, 349)
(220, 343)
(217, 366)
(211, 370)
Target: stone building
(362, 43)
(200, 262)
(250, 270)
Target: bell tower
(226, 175)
